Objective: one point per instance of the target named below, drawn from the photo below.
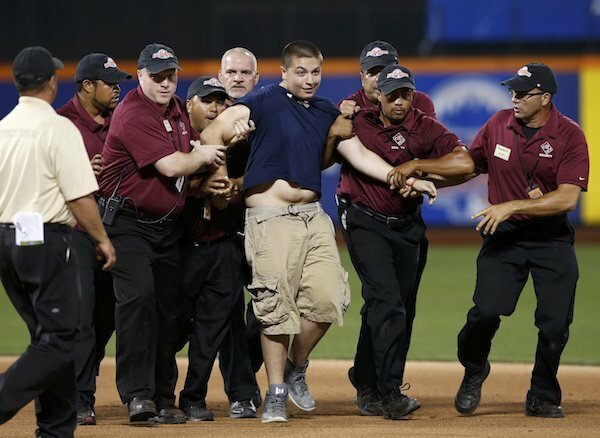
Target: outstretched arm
(364, 160)
(456, 163)
(557, 202)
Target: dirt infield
(434, 384)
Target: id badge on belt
(534, 191)
(29, 229)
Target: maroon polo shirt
(556, 154)
(420, 101)
(222, 221)
(418, 136)
(93, 133)
(141, 133)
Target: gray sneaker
(275, 400)
(295, 378)
(242, 409)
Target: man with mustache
(97, 80)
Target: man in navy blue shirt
(298, 285)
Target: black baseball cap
(99, 66)
(205, 85)
(533, 75)
(377, 54)
(395, 76)
(157, 57)
(35, 65)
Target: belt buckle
(293, 210)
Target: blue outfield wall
(463, 103)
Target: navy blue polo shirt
(289, 139)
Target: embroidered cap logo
(397, 74)
(377, 51)
(110, 63)
(213, 82)
(162, 54)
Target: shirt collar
(87, 119)
(548, 130)
(171, 110)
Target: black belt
(9, 226)
(389, 221)
(139, 215)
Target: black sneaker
(534, 407)
(197, 411)
(469, 394)
(242, 409)
(397, 406)
(367, 398)
(85, 415)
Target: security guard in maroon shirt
(538, 164)
(97, 80)
(373, 58)
(147, 156)
(384, 232)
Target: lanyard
(527, 174)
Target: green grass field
(444, 298)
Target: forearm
(364, 160)
(456, 163)
(553, 203)
(448, 181)
(329, 152)
(86, 213)
(181, 164)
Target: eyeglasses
(521, 95)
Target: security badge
(167, 124)
(534, 191)
(399, 140)
(502, 152)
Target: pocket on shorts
(267, 302)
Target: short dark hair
(299, 49)
(30, 87)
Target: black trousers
(96, 320)
(43, 284)
(213, 285)
(503, 266)
(147, 279)
(390, 263)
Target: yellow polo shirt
(43, 163)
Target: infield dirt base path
(434, 384)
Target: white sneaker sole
(274, 420)
(305, 409)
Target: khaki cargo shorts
(296, 269)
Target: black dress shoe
(197, 411)
(469, 394)
(534, 407)
(141, 409)
(171, 415)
